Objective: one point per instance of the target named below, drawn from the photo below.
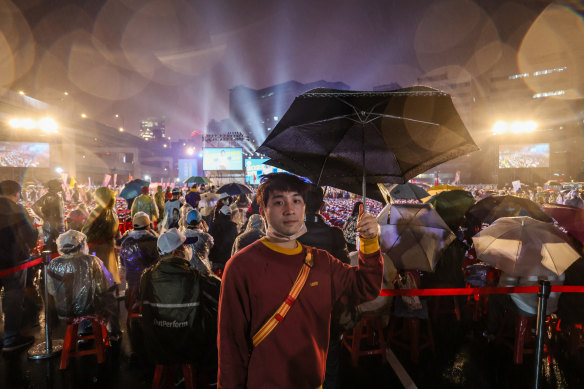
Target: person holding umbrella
(288, 339)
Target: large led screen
(255, 168)
(524, 155)
(24, 154)
(224, 158)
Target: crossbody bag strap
(279, 315)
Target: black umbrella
(133, 188)
(234, 189)
(373, 191)
(350, 137)
(492, 208)
(408, 191)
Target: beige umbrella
(415, 236)
(522, 246)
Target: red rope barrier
(36, 261)
(475, 291)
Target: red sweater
(256, 281)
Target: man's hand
(367, 225)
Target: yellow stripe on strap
(282, 311)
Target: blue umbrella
(234, 189)
(133, 188)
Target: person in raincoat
(101, 229)
(255, 230)
(172, 211)
(50, 209)
(198, 240)
(77, 280)
(159, 200)
(145, 203)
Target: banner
(106, 179)
(516, 185)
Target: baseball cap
(140, 220)
(193, 216)
(175, 190)
(170, 240)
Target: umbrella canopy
(336, 136)
(209, 196)
(452, 206)
(197, 180)
(234, 189)
(572, 219)
(374, 191)
(408, 191)
(442, 188)
(522, 246)
(415, 236)
(133, 188)
(492, 208)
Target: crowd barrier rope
(478, 290)
(30, 263)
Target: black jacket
(179, 311)
(17, 234)
(322, 236)
(224, 232)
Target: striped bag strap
(279, 315)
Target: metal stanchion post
(50, 347)
(543, 295)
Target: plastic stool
(168, 372)
(409, 336)
(99, 336)
(523, 340)
(368, 327)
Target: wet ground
(463, 359)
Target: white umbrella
(415, 236)
(522, 246)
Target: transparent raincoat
(77, 280)
(101, 228)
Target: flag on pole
(89, 182)
(115, 179)
(106, 179)
(72, 183)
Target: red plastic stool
(99, 336)
(368, 327)
(408, 336)
(167, 371)
(523, 340)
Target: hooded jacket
(146, 204)
(17, 234)
(138, 251)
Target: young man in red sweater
(258, 280)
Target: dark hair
(280, 181)
(314, 199)
(9, 188)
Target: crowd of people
(207, 272)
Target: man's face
(284, 211)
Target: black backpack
(179, 314)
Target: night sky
(178, 58)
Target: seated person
(179, 307)
(78, 281)
(138, 251)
